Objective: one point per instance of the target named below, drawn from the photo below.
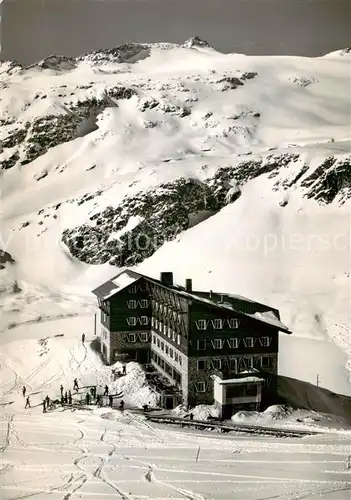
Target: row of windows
(142, 320)
(172, 353)
(166, 330)
(133, 304)
(135, 288)
(218, 363)
(172, 372)
(217, 324)
(233, 343)
(140, 337)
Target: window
(144, 303)
(165, 329)
(249, 341)
(169, 332)
(153, 339)
(156, 323)
(249, 362)
(265, 341)
(166, 349)
(132, 304)
(233, 364)
(131, 321)
(265, 362)
(131, 337)
(171, 352)
(201, 345)
(217, 324)
(144, 337)
(180, 359)
(233, 323)
(233, 343)
(251, 390)
(178, 339)
(201, 364)
(144, 320)
(152, 321)
(201, 324)
(158, 343)
(176, 356)
(200, 387)
(173, 335)
(217, 343)
(216, 364)
(160, 325)
(162, 346)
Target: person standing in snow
(83, 337)
(75, 385)
(61, 389)
(44, 406)
(110, 399)
(47, 400)
(27, 403)
(106, 391)
(124, 369)
(24, 390)
(87, 398)
(69, 397)
(66, 397)
(121, 405)
(98, 399)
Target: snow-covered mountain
(230, 169)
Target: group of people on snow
(66, 397)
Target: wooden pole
(198, 453)
(95, 324)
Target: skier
(106, 391)
(44, 406)
(61, 389)
(121, 405)
(69, 397)
(47, 400)
(83, 337)
(75, 385)
(110, 399)
(66, 397)
(87, 398)
(124, 369)
(24, 391)
(62, 400)
(27, 403)
(191, 416)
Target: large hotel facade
(211, 347)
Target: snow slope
(80, 135)
(77, 137)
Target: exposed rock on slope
(161, 214)
(36, 138)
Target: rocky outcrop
(332, 178)
(128, 52)
(161, 214)
(46, 132)
(194, 42)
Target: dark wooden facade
(187, 338)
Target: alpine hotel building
(211, 347)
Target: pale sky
(33, 29)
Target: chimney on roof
(222, 298)
(166, 278)
(211, 294)
(189, 285)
